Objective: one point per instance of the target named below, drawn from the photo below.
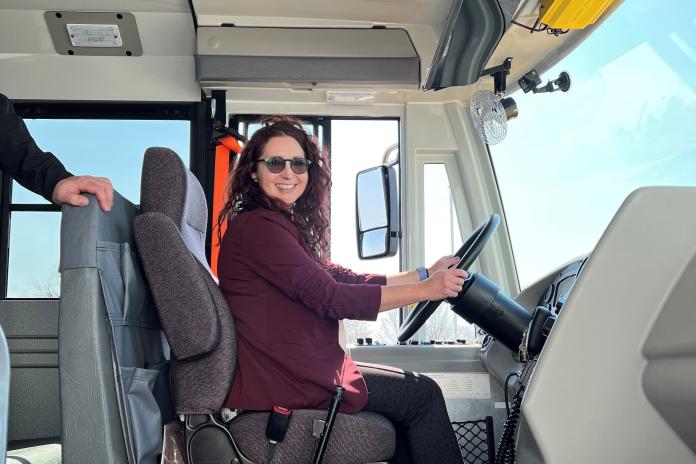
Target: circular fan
(489, 116)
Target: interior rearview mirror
(377, 212)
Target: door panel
(31, 327)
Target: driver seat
(170, 236)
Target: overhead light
(94, 35)
(350, 98)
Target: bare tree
(388, 326)
(384, 330)
(49, 287)
(442, 325)
(358, 329)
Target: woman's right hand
(446, 283)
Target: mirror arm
(391, 149)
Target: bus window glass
(248, 127)
(34, 252)
(441, 237)
(357, 145)
(570, 159)
(108, 148)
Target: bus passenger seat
(113, 358)
(170, 235)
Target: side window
(441, 237)
(107, 148)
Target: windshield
(570, 159)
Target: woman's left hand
(443, 263)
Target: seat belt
(278, 422)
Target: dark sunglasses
(276, 164)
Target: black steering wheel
(467, 254)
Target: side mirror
(377, 211)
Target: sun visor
(471, 33)
(306, 58)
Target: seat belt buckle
(278, 422)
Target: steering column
(482, 303)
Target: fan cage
(489, 116)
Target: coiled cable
(506, 447)
(506, 388)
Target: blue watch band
(422, 273)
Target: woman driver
(286, 299)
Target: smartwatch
(422, 273)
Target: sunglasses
(276, 164)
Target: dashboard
(551, 292)
(558, 290)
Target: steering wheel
(467, 254)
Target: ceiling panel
(171, 6)
(321, 12)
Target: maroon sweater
(286, 309)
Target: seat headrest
(168, 187)
(82, 228)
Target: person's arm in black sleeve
(22, 159)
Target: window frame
(194, 112)
(316, 121)
(504, 212)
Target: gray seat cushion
(356, 438)
(114, 388)
(44, 454)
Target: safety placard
(458, 385)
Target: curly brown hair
(310, 212)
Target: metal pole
(451, 218)
(330, 418)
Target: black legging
(414, 403)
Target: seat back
(170, 235)
(113, 360)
